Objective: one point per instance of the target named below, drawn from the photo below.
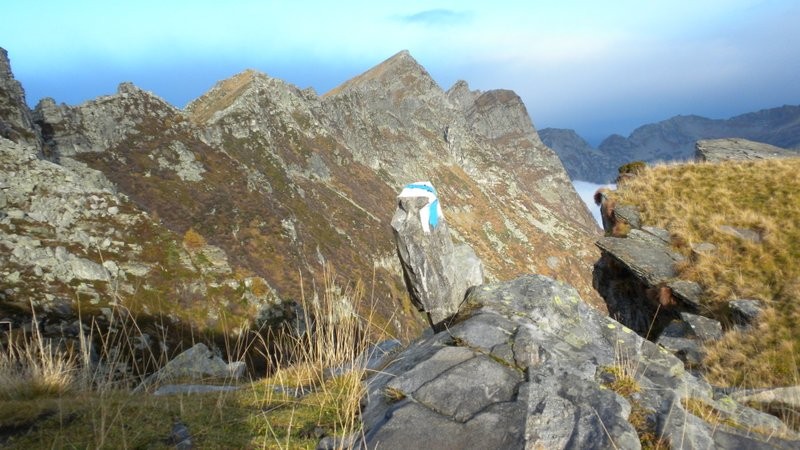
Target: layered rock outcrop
(528, 365)
(16, 121)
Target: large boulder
(197, 363)
(532, 366)
(437, 273)
(735, 149)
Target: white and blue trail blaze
(430, 213)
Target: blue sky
(599, 67)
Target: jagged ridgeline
(214, 213)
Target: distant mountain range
(669, 140)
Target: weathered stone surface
(16, 121)
(644, 236)
(687, 291)
(704, 328)
(733, 149)
(487, 331)
(745, 312)
(654, 264)
(468, 388)
(660, 233)
(686, 349)
(628, 214)
(783, 401)
(436, 277)
(453, 390)
(431, 368)
(744, 234)
(196, 363)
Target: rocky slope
(529, 365)
(581, 160)
(16, 123)
(273, 182)
(672, 139)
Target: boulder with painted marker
(437, 273)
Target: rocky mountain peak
(461, 95)
(397, 76)
(221, 96)
(501, 113)
(101, 123)
(16, 122)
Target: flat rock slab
(788, 397)
(650, 262)
(689, 292)
(470, 387)
(734, 149)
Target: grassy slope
(254, 417)
(692, 201)
(52, 400)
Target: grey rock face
(717, 150)
(704, 328)
(99, 124)
(582, 161)
(196, 363)
(780, 401)
(437, 274)
(16, 121)
(525, 369)
(687, 291)
(653, 263)
(744, 234)
(745, 312)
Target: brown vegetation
(696, 202)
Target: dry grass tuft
(33, 366)
(55, 399)
(698, 203)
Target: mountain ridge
(283, 181)
(673, 139)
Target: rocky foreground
(528, 364)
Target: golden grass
(53, 401)
(32, 366)
(693, 201)
(624, 382)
